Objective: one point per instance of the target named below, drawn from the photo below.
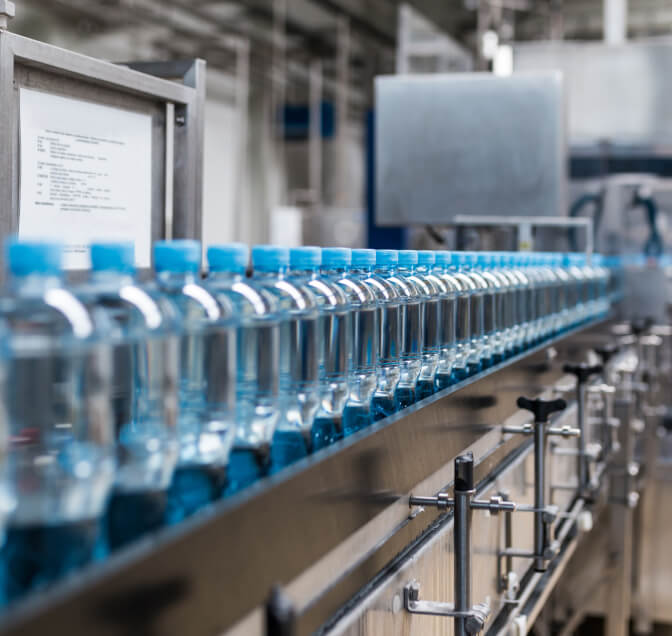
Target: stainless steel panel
(469, 143)
(617, 94)
(209, 573)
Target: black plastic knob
(582, 370)
(640, 325)
(541, 409)
(464, 472)
(280, 614)
(607, 352)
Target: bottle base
(355, 418)
(424, 389)
(36, 555)
(246, 465)
(131, 515)
(404, 396)
(194, 487)
(326, 431)
(382, 406)
(444, 380)
(287, 447)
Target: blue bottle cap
(483, 259)
(33, 257)
(307, 257)
(363, 258)
(177, 256)
(233, 257)
(113, 257)
(442, 258)
(426, 258)
(387, 257)
(270, 258)
(408, 258)
(336, 257)
(464, 259)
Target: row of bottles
(132, 404)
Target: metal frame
(207, 574)
(526, 223)
(177, 110)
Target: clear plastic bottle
(449, 346)
(435, 292)
(577, 289)
(603, 276)
(389, 326)
(299, 357)
(562, 319)
(409, 332)
(206, 381)
(335, 336)
(61, 456)
(466, 349)
(508, 306)
(524, 310)
(413, 310)
(143, 330)
(493, 327)
(257, 366)
(480, 356)
(336, 264)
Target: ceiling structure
(291, 33)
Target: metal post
(540, 539)
(315, 133)
(615, 15)
(7, 11)
(464, 489)
(582, 459)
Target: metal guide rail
(332, 528)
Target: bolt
(180, 120)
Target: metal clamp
(544, 515)
(468, 619)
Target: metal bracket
(474, 618)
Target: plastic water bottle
(299, 359)
(393, 293)
(465, 345)
(435, 291)
(143, 330)
(57, 399)
(449, 345)
(603, 283)
(493, 320)
(577, 289)
(336, 263)
(334, 342)
(389, 325)
(523, 308)
(479, 357)
(506, 304)
(562, 320)
(257, 345)
(413, 310)
(206, 381)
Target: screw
(180, 120)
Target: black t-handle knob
(464, 472)
(640, 325)
(542, 409)
(607, 352)
(582, 370)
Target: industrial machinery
(524, 498)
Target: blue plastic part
(233, 257)
(177, 256)
(113, 257)
(270, 258)
(34, 257)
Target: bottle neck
(362, 270)
(34, 284)
(267, 275)
(169, 278)
(331, 270)
(385, 270)
(407, 270)
(304, 272)
(107, 277)
(226, 276)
